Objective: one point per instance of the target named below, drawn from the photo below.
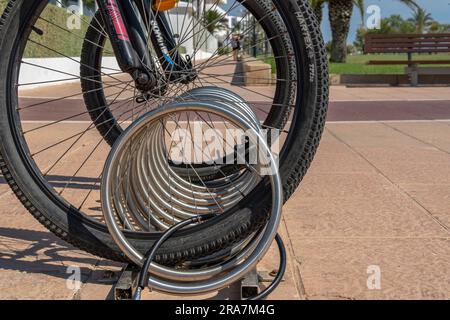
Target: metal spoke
(72, 59)
(231, 32)
(195, 171)
(85, 21)
(216, 59)
(71, 146)
(79, 114)
(62, 72)
(66, 97)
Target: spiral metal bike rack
(144, 190)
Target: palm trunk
(340, 14)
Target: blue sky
(440, 10)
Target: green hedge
(56, 34)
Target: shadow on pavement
(46, 254)
(57, 181)
(238, 78)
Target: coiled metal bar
(142, 191)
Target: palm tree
(212, 19)
(436, 27)
(317, 6)
(422, 20)
(340, 14)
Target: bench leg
(413, 74)
(414, 79)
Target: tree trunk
(340, 14)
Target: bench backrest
(407, 43)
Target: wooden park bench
(410, 44)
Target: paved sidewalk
(377, 194)
(343, 93)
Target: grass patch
(269, 60)
(357, 64)
(58, 40)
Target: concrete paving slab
(432, 133)
(378, 217)
(337, 268)
(392, 152)
(35, 264)
(435, 199)
(344, 185)
(336, 157)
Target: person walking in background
(236, 46)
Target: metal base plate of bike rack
(249, 286)
(127, 283)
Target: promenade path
(377, 195)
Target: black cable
(281, 270)
(150, 256)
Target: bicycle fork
(131, 25)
